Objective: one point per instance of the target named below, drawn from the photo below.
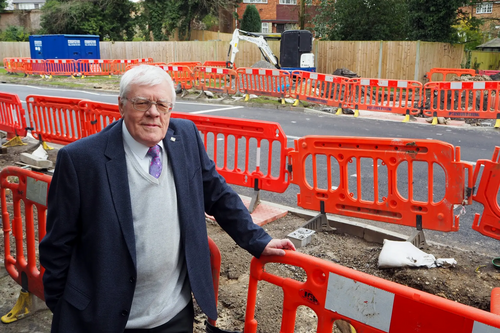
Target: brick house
(278, 15)
(489, 11)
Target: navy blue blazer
(89, 251)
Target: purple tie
(155, 166)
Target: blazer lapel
(118, 184)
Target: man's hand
(276, 246)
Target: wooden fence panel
(486, 60)
(406, 60)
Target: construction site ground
(470, 282)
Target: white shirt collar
(137, 148)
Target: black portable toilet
(293, 44)
(64, 47)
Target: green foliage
(161, 18)
(110, 19)
(3, 4)
(362, 20)
(210, 21)
(14, 34)
(251, 21)
(434, 20)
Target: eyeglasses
(144, 104)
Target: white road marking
(214, 110)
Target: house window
(484, 8)
(26, 6)
(267, 27)
(288, 2)
(254, 1)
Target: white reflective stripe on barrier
(456, 85)
(359, 301)
(248, 71)
(402, 84)
(365, 82)
(479, 85)
(383, 83)
(328, 78)
(261, 72)
(313, 76)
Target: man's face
(147, 127)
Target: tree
(3, 5)
(362, 19)
(435, 20)
(251, 20)
(14, 34)
(110, 19)
(161, 18)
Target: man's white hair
(145, 75)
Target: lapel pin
(172, 139)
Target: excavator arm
(258, 40)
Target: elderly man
(126, 241)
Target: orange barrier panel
(13, 65)
(477, 99)
(12, 115)
(243, 143)
(60, 67)
(221, 80)
(120, 66)
(392, 96)
(89, 67)
(487, 193)
(488, 72)
(264, 82)
(319, 88)
(396, 162)
(34, 66)
(369, 303)
(180, 74)
(152, 64)
(215, 263)
(96, 116)
(444, 72)
(30, 188)
(218, 64)
(54, 119)
(190, 64)
(495, 301)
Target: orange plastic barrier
(487, 193)
(393, 96)
(95, 116)
(264, 82)
(221, 80)
(13, 65)
(215, 263)
(488, 72)
(30, 188)
(319, 88)
(60, 67)
(462, 99)
(54, 119)
(369, 303)
(34, 66)
(218, 64)
(390, 160)
(120, 65)
(89, 67)
(244, 150)
(12, 115)
(444, 72)
(190, 64)
(180, 74)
